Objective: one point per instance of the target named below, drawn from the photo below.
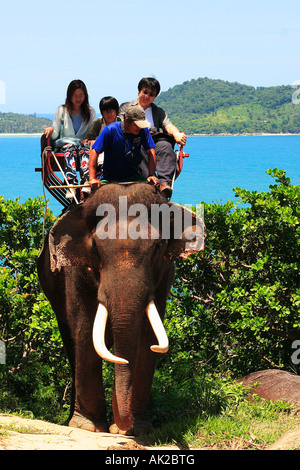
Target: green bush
(236, 308)
(35, 373)
(233, 309)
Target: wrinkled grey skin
(77, 270)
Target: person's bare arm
(152, 166)
(48, 131)
(94, 182)
(179, 137)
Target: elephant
(107, 271)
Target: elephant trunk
(99, 333)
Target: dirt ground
(26, 434)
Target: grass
(244, 427)
(22, 429)
(231, 420)
(209, 412)
(245, 424)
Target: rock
(274, 384)
(288, 441)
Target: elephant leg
(74, 313)
(88, 408)
(89, 405)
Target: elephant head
(112, 261)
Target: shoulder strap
(62, 123)
(129, 156)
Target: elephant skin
(80, 267)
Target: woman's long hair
(85, 107)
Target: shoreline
(262, 134)
(20, 134)
(245, 134)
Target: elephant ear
(70, 240)
(187, 235)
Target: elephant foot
(139, 428)
(82, 422)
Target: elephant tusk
(158, 328)
(99, 336)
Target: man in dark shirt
(148, 89)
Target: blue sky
(110, 45)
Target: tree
(237, 307)
(35, 373)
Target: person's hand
(180, 138)
(152, 180)
(48, 131)
(94, 183)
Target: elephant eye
(158, 247)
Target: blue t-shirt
(77, 121)
(121, 150)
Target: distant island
(214, 107)
(207, 107)
(12, 123)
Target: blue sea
(214, 167)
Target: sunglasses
(110, 111)
(150, 93)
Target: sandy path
(26, 434)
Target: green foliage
(206, 106)
(236, 307)
(214, 412)
(14, 123)
(233, 309)
(34, 376)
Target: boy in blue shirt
(121, 143)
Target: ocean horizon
(216, 165)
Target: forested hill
(207, 106)
(20, 123)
